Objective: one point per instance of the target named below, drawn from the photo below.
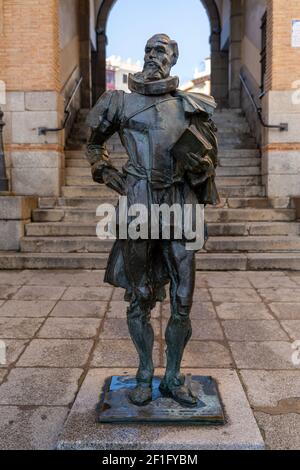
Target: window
(125, 78)
(263, 53)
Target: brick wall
(29, 52)
(283, 61)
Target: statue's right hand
(114, 180)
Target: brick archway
(219, 58)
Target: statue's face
(158, 59)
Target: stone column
(29, 64)
(281, 150)
(219, 71)
(85, 53)
(235, 53)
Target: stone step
(218, 244)
(223, 153)
(86, 203)
(253, 244)
(87, 191)
(65, 245)
(64, 229)
(220, 181)
(242, 191)
(74, 145)
(215, 215)
(223, 162)
(204, 261)
(101, 191)
(93, 202)
(221, 171)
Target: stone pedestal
(83, 432)
(15, 213)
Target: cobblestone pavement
(58, 324)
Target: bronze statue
(150, 121)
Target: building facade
(117, 71)
(201, 82)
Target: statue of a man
(150, 121)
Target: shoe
(181, 394)
(141, 395)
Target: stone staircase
(247, 230)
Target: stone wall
(281, 150)
(35, 163)
(29, 58)
(30, 69)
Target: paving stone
(119, 295)
(82, 431)
(38, 387)
(56, 353)
(243, 311)
(13, 277)
(19, 328)
(280, 295)
(39, 293)
(201, 295)
(281, 432)
(215, 280)
(119, 353)
(74, 328)
(263, 355)
(206, 330)
(27, 308)
(261, 274)
(14, 349)
(267, 388)
(88, 293)
(80, 309)
(76, 278)
(116, 328)
(273, 282)
(294, 276)
(200, 280)
(292, 327)
(234, 295)
(7, 292)
(202, 329)
(253, 330)
(200, 310)
(118, 309)
(206, 354)
(286, 310)
(31, 429)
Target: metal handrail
(282, 126)
(45, 130)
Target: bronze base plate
(115, 406)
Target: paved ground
(58, 325)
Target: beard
(154, 71)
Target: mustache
(153, 62)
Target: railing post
(3, 178)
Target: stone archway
(219, 58)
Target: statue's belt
(158, 178)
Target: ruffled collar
(137, 84)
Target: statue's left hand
(196, 164)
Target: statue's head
(161, 54)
